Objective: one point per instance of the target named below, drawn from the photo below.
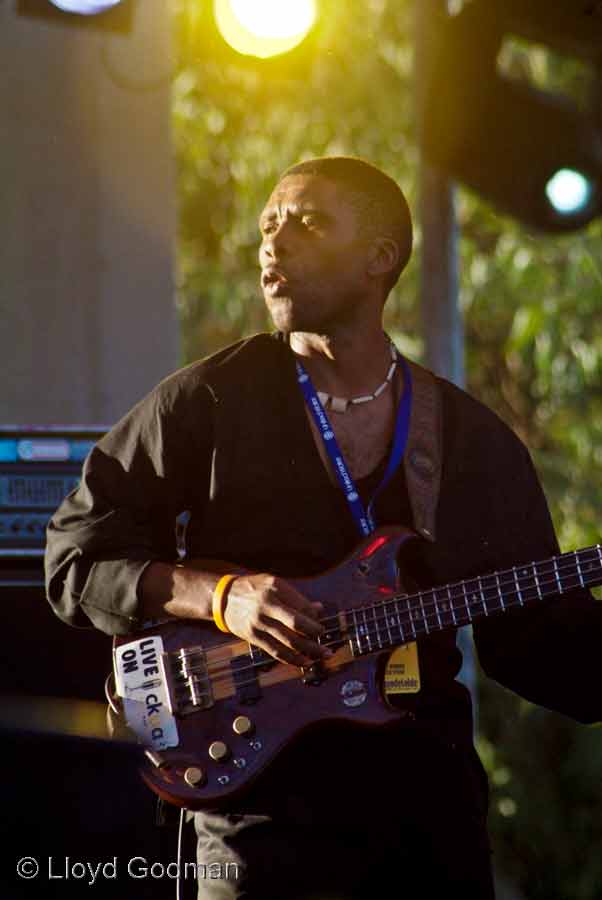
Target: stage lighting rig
(534, 153)
(112, 15)
(85, 7)
(264, 28)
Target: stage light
(85, 7)
(264, 28)
(95, 15)
(531, 151)
(569, 192)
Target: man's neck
(346, 365)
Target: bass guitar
(213, 711)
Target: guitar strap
(423, 456)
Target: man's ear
(384, 256)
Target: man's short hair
(381, 206)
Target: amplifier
(39, 466)
(40, 655)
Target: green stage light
(569, 192)
(264, 28)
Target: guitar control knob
(242, 725)
(218, 751)
(194, 776)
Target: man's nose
(278, 242)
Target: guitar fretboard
(403, 618)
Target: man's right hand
(270, 613)
(262, 609)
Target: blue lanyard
(363, 518)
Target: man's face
(312, 257)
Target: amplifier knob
(218, 751)
(242, 725)
(194, 776)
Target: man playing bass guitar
(288, 449)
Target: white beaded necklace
(341, 405)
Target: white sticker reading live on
(140, 684)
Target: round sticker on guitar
(354, 693)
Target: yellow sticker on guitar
(402, 675)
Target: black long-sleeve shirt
(243, 462)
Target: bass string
(252, 681)
(219, 672)
(457, 591)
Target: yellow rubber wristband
(218, 601)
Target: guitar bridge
(187, 679)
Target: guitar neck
(403, 618)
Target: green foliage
(533, 336)
(238, 124)
(534, 352)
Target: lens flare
(85, 7)
(264, 27)
(569, 191)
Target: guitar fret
(466, 603)
(579, 574)
(451, 605)
(378, 637)
(426, 624)
(485, 609)
(499, 590)
(355, 635)
(473, 588)
(534, 567)
(598, 550)
(557, 575)
(399, 625)
(387, 623)
(437, 609)
(589, 566)
(411, 617)
(365, 631)
(518, 591)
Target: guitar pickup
(187, 679)
(245, 673)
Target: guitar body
(213, 711)
(248, 707)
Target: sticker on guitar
(354, 693)
(139, 683)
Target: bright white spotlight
(264, 28)
(569, 191)
(273, 18)
(85, 7)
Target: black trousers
(427, 835)
(269, 862)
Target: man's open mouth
(273, 276)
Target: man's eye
(310, 222)
(268, 228)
